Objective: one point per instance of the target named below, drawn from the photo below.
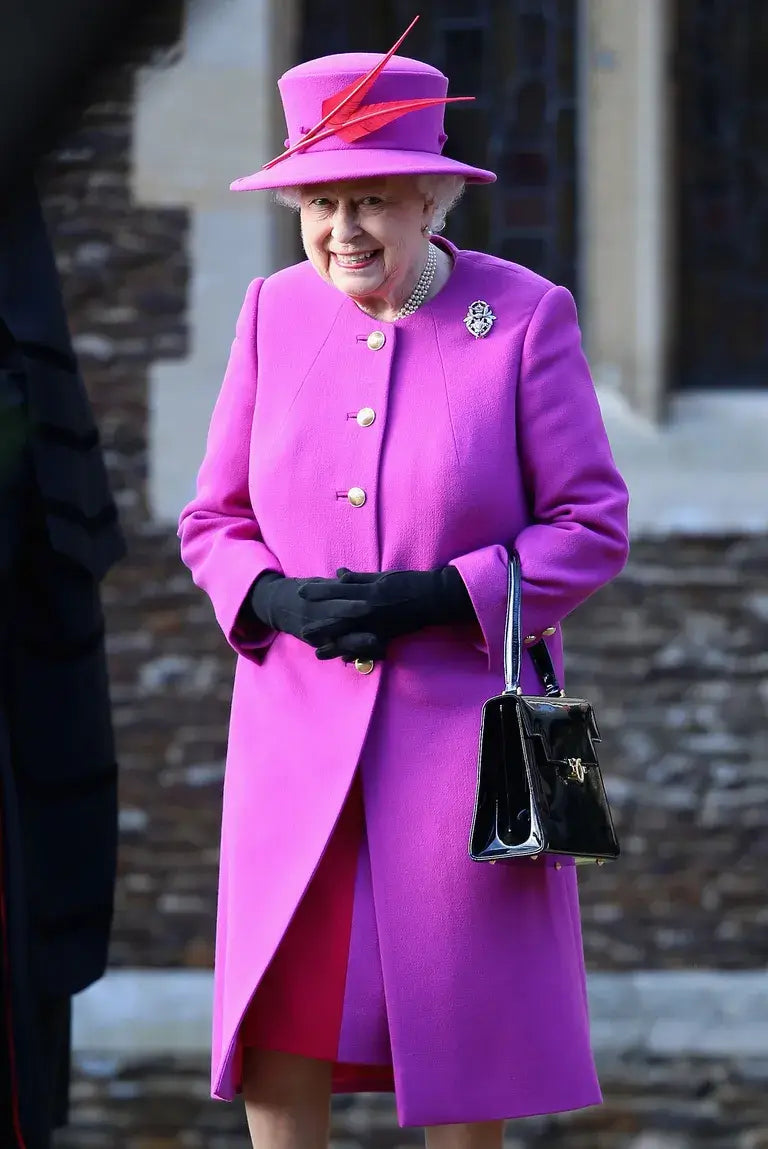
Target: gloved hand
(276, 601)
(350, 647)
(393, 603)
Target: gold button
(529, 639)
(376, 340)
(549, 631)
(356, 496)
(364, 665)
(366, 416)
(558, 865)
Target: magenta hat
(373, 115)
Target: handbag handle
(513, 639)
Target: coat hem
(347, 1079)
(408, 1120)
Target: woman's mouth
(355, 260)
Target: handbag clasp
(577, 770)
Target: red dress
(301, 1002)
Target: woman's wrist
(454, 602)
(258, 601)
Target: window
(722, 193)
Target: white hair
(443, 190)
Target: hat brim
(356, 163)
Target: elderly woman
(395, 415)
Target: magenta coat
(476, 443)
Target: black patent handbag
(539, 786)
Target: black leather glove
(393, 604)
(277, 602)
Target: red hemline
(350, 1078)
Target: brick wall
(674, 655)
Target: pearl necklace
(421, 290)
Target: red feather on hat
(339, 111)
(350, 98)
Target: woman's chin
(357, 292)
(358, 284)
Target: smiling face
(367, 237)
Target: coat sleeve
(577, 539)
(221, 542)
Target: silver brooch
(479, 319)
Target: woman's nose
(345, 226)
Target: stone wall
(675, 656)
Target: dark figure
(58, 787)
(51, 54)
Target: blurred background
(631, 141)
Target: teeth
(354, 258)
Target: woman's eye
(320, 202)
(371, 201)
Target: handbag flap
(566, 727)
